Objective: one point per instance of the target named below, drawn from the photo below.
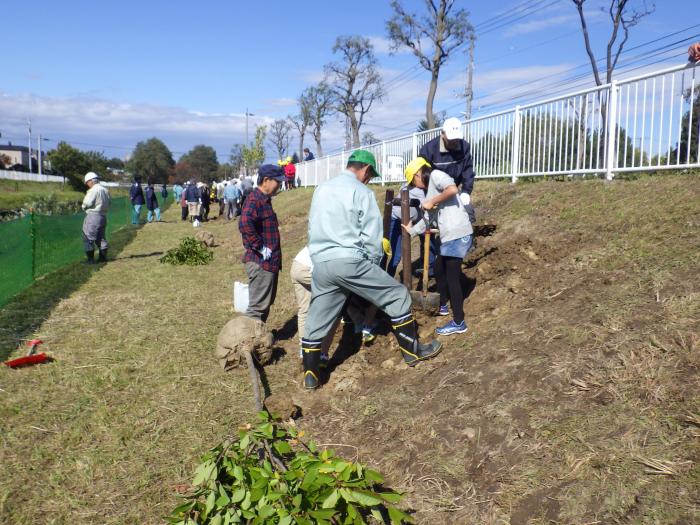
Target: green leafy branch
(269, 476)
(190, 251)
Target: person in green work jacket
(346, 247)
(96, 205)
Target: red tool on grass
(32, 358)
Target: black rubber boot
(103, 256)
(312, 363)
(90, 257)
(406, 333)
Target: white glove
(266, 253)
(465, 198)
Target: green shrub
(191, 252)
(269, 476)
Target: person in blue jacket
(137, 200)
(152, 203)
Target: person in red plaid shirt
(261, 241)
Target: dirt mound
(206, 237)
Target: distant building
(19, 156)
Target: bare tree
(442, 29)
(320, 101)
(623, 17)
(302, 120)
(279, 136)
(369, 138)
(354, 81)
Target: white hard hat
(90, 176)
(452, 128)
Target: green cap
(365, 157)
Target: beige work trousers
(301, 279)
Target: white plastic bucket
(240, 297)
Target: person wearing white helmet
(451, 154)
(96, 205)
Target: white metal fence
(20, 175)
(646, 123)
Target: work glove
(386, 246)
(266, 253)
(465, 198)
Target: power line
(499, 21)
(568, 82)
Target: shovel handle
(426, 264)
(406, 240)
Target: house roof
(9, 147)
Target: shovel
(428, 302)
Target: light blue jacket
(344, 221)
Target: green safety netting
(39, 244)
(15, 257)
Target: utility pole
(38, 149)
(40, 162)
(29, 128)
(470, 79)
(247, 143)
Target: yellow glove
(386, 246)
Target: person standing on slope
(346, 247)
(96, 205)
(443, 206)
(261, 241)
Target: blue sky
(111, 73)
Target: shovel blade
(428, 303)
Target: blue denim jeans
(135, 213)
(395, 231)
(456, 248)
(149, 217)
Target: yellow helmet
(289, 159)
(280, 162)
(414, 167)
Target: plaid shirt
(258, 226)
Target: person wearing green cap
(346, 247)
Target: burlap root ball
(239, 335)
(206, 237)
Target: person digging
(95, 204)
(443, 205)
(346, 247)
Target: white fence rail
(20, 175)
(646, 123)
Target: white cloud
(538, 25)
(107, 122)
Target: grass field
(16, 194)
(573, 398)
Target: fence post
(316, 173)
(32, 225)
(415, 145)
(611, 131)
(515, 161)
(383, 163)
